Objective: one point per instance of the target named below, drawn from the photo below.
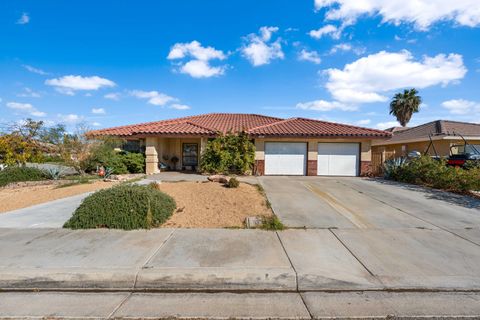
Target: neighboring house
(445, 135)
(295, 146)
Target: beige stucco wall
(442, 147)
(157, 147)
(365, 155)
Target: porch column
(151, 154)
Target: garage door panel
(338, 159)
(285, 158)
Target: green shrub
(104, 154)
(272, 223)
(233, 183)
(19, 174)
(135, 162)
(230, 153)
(123, 207)
(436, 174)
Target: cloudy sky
(107, 63)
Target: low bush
(125, 207)
(135, 162)
(272, 223)
(20, 174)
(233, 183)
(104, 154)
(436, 174)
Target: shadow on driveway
(434, 194)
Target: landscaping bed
(212, 205)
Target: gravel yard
(25, 195)
(211, 205)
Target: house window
(190, 154)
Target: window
(190, 154)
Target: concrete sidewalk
(312, 305)
(239, 260)
(51, 214)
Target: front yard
(28, 194)
(212, 205)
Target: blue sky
(107, 63)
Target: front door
(190, 155)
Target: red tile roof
(301, 127)
(210, 124)
(255, 125)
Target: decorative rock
(219, 178)
(253, 222)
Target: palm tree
(404, 105)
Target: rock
(253, 222)
(219, 178)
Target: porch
(173, 153)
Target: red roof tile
(256, 125)
(302, 127)
(212, 122)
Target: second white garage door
(338, 159)
(285, 158)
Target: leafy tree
(404, 105)
(14, 150)
(230, 153)
(53, 135)
(74, 150)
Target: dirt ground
(211, 205)
(25, 196)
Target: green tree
(404, 105)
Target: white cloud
(69, 84)
(259, 49)
(98, 111)
(323, 105)
(112, 96)
(195, 50)
(96, 124)
(388, 124)
(35, 70)
(201, 69)
(421, 13)
(347, 47)
(369, 78)
(179, 106)
(199, 66)
(70, 118)
(461, 106)
(363, 122)
(311, 56)
(25, 108)
(24, 19)
(266, 32)
(328, 29)
(154, 97)
(159, 99)
(29, 93)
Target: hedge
(20, 174)
(125, 207)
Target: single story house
(295, 146)
(445, 134)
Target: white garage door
(338, 159)
(285, 158)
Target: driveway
(356, 203)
